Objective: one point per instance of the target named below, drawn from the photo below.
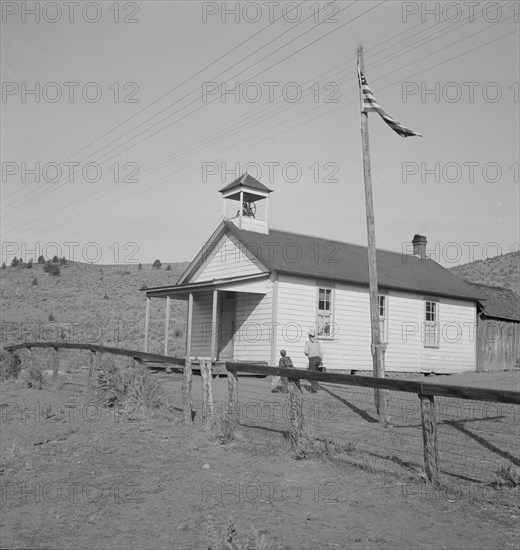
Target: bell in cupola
(252, 197)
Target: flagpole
(377, 348)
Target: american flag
(370, 105)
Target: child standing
(286, 362)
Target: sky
(122, 120)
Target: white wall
(253, 317)
(201, 324)
(351, 348)
(228, 259)
(296, 314)
(253, 326)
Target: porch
(228, 319)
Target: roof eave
(380, 286)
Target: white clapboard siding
(350, 349)
(252, 339)
(253, 326)
(404, 314)
(296, 314)
(457, 347)
(228, 259)
(351, 346)
(201, 325)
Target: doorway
(226, 326)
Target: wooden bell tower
(252, 198)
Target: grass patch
(508, 476)
(120, 386)
(309, 445)
(228, 538)
(10, 366)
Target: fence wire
(477, 440)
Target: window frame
(320, 313)
(428, 324)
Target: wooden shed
(498, 328)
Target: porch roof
(244, 283)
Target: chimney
(419, 246)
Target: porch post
(274, 318)
(241, 211)
(166, 325)
(187, 402)
(146, 323)
(214, 326)
(188, 327)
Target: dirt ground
(76, 476)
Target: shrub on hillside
(41, 259)
(55, 259)
(35, 281)
(15, 262)
(139, 267)
(35, 378)
(157, 264)
(111, 383)
(29, 264)
(54, 270)
(121, 386)
(146, 391)
(10, 366)
(227, 538)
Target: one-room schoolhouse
(253, 290)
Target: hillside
(501, 270)
(103, 304)
(100, 304)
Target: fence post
(91, 371)
(187, 401)
(29, 360)
(56, 367)
(231, 421)
(429, 430)
(207, 394)
(296, 419)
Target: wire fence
(478, 441)
(475, 440)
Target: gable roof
(316, 257)
(498, 302)
(247, 182)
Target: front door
(226, 327)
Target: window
(324, 314)
(431, 325)
(383, 318)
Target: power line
(321, 115)
(381, 77)
(57, 184)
